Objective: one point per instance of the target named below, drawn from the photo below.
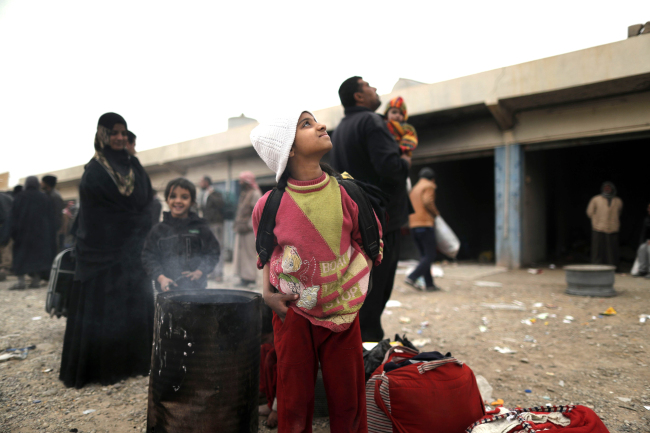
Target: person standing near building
(245, 253)
(109, 328)
(31, 226)
(6, 203)
(421, 223)
(130, 144)
(363, 147)
(643, 253)
(48, 183)
(211, 205)
(604, 210)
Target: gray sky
(178, 70)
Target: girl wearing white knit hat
(316, 278)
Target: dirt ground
(598, 361)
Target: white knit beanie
(273, 140)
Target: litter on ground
(513, 307)
(504, 350)
(609, 312)
(487, 284)
(393, 304)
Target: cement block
(634, 30)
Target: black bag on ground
(60, 284)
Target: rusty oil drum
(205, 362)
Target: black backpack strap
(367, 221)
(265, 241)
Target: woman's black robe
(110, 321)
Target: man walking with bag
(421, 223)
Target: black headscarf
(116, 162)
(609, 196)
(31, 183)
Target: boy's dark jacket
(181, 244)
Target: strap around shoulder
(265, 240)
(367, 221)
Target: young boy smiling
(180, 251)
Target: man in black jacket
(363, 146)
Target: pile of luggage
(412, 392)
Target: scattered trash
(550, 374)
(387, 312)
(542, 316)
(421, 342)
(529, 391)
(550, 306)
(561, 383)
(643, 317)
(524, 360)
(393, 304)
(609, 312)
(18, 353)
(487, 284)
(504, 350)
(498, 402)
(37, 318)
(534, 271)
(484, 388)
(513, 306)
(528, 322)
(568, 319)
(47, 370)
(529, 339)
(437, 272)
(546, 397)
(482, 328)
(647, 407)
(404, 320)
(551, 266)
(36, 401)
(424, 324)
(87, 411)
(521, 304)
(369, 346)
(624, 399)
(9, 336)
(538, 305)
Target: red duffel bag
(435, 396)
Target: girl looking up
(316, 279)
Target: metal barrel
(590, 280)
(205, 362)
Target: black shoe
(433, 288)
(411, 283)
(640, 274)
(18, 286)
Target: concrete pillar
(509, 181)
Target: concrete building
(518, 151)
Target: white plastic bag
(447, 241)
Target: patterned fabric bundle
(404, 133)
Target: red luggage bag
(435, 396)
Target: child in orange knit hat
(404, 133)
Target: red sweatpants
(299, 346)
(268, 372)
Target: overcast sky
(178, 70)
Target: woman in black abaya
(110, 320)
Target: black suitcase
(61, 279)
